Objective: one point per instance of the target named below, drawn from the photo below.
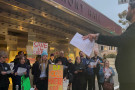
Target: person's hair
(51, 54)
(59, 60)
(132, 3)
(25, 55)
(20, 52)
(76, 60)
(80, 52)
(41, 63)
(38, 56)
(3, 53)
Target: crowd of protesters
(81, 74)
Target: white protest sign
(38, 47)
(84, 45)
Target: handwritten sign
(38, 47)
(55, 81)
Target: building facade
(55, 22)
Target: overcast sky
(109, 8)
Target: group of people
(81, 74)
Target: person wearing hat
(51, 60)
(125, 60)
(41, 75)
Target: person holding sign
(4, 67)
(90, 73)
(19, 70)
(125, 60)
(41, 74)
(79, 75)
(98, 62)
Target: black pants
(77, 85)
(42, 84)
(90, 79)
(98, 78)
(4, 88)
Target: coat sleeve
(113, 73)
(125, 38)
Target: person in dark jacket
(83, 61)
(96, 69)
(18, 76)
(64, 59)
(79, 75)
(65, 69)
(125, 60)
(16, 60)
(4, 76)
(34, 69)
(51, 60)
(27, 60)
(41, 74)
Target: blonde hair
(41, 64)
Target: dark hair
(38, 56)
(132, 3)
(52, 55)
(59, 60)
(80, 52)
(20, 52)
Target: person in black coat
(16, 60)
(4, 76)
(79, 75)
(64, 59)
(125, 60)
(51, 60)
(17, 76)
(35, 69)
(70, 71)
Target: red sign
(80, 7)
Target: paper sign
(55, 81)
(10, 71)
(84, 45)
(38, 47)
(21, 71)
(11, 65)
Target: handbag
(108, 86)
(25, 83)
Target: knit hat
(44, 53)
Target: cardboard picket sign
(38, 47)
(55, 79)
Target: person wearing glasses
(4, 67)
